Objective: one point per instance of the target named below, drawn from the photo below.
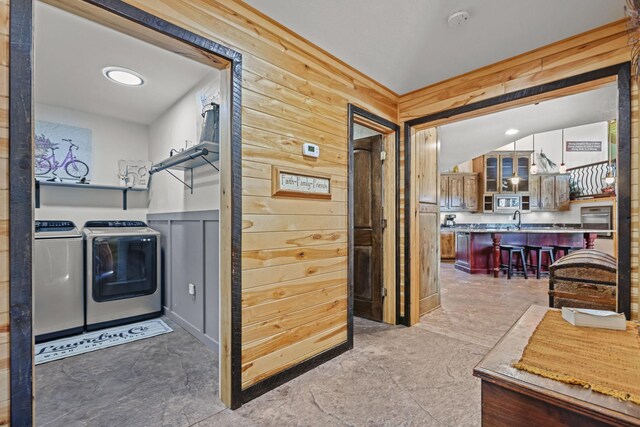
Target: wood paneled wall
(294, 262)
(4, 212)
(585, 52)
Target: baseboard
(209, 342)
(280, 378)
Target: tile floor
(394, 376)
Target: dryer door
(124, 267)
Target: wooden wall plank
(284, 339)
(275, 362)
(273, 141)
(261, 223)
(269, 275)
(268, 328)
(274, 257)
(275, 206)
(292, 239)
(4, 214)
(253, 296)
(274, 107)
(282, 158)
(267, 311)
(289, 127)
(259, 84)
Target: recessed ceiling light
(123, 76)
(511, 131)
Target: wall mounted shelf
(124, 190)
(198, 155)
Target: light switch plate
(192, 289)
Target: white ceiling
(466, 139)
(70, 53)
(407, 44)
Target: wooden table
(513, 398)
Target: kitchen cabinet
(447, 245)
(459, 192)
(491, 173)
(470, 192)
(563, 192)
(549, 192)
(499, 168)
(455, 196)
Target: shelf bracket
(37, 194)
(190, 187)
(124, 199)
(212, 165)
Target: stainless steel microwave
(506, 203)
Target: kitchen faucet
(519, 214)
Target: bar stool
(511, 250)
(565, 249)
(539, 251)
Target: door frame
(354, 111)
(21, 204)
(621, 73)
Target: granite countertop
(537, 230)
(526, 228)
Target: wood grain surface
(512, 397)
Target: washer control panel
(42, 226)
(113, 224)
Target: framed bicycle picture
(62, 151)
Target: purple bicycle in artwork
(45, 164)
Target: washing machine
(122, 273)
(58, 287)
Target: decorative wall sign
(134, 173)
(295, 183)
(584, 146)
(62, 151)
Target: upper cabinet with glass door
(491, 173)
(523, 160)
(499, 168)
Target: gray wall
(190, 252)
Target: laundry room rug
(97, 340)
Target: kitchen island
(478, 249)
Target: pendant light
(515, 179)
(534, 168)
(563, 167)
(609, 179)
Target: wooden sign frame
(277, 190)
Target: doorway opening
(522, 171)
(135, 128)
(373, 213)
